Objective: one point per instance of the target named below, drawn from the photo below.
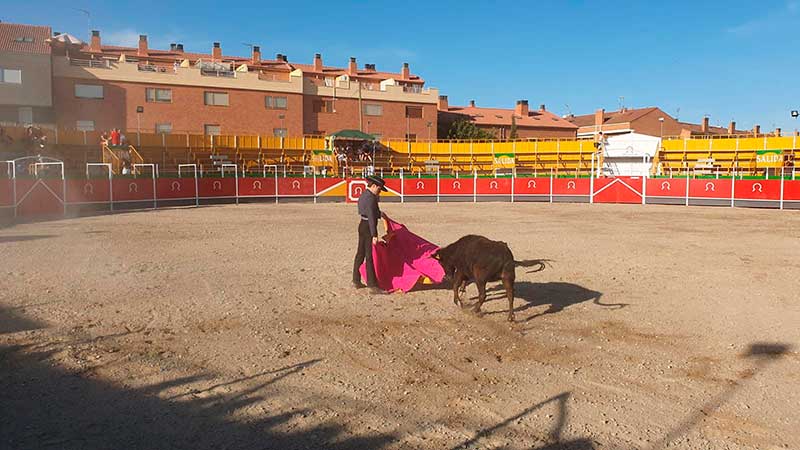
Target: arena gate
(35, 187)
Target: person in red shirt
(115, 137)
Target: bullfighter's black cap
(378, 181)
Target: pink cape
(400, 263)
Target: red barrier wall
(175, 188)
(257, 187)
(493, 186)
(571, 186)
(618, 190)
(40, 197)
(127, 189)
(457, 186)
(88, 191)
(217, 187)
(6, 192)
(757, 190)
(791, 190)
(532, 186)
(708, 188)
(666, 187)
(295, 187)
(419, 186)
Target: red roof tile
(502, 117)
(609, 117)
(15, 38)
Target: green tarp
(352, 134)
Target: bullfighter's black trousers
(364, 252)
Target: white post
(513, 177)
(315, 186)
(551, 185)
(474, 182)
(591, 183)
(687, 186)
(733, 190)
(437, 183)
(402, 187)
(782, 181)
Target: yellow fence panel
(673, 145)
(723, 144)
(698, 144)
(785, 142)
(227, 141)
(419, 148)
(293, 143)
(751, 144)
(547, 147)
(249, 142)
(440, 148)
(148, 140)
(315, 143)
(270, 142)
(505, 148)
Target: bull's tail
(537, 264)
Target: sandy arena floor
(236, 328)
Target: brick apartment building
(96, 86)
(530, 124)
(25, 74)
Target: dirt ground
(235, 327)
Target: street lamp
(661, 119)
(139, 112)
(795, 113)
(429, 125)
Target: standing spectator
(115, 135)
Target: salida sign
(769, 158)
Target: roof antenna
(677, 114)
(621, 102)
(569, 111)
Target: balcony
(93, 63)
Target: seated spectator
(126, 168)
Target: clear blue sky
(734, 59)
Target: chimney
(56, 33)
(443, 106)
(142, 45)
(370, 67)
(472, 103)
(278, 57)
(94, 45)
(704, 125)
(541, 107)
(172, 47)
(777, 132)
(522, 108)
(216, 52)
(179, 48)
(599, 116)
(352, 68)
(405, 73)
(318, 62)
(757, 130)
(256, 58)
(284, 58)
(732, 127)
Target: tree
(513, 133)
(464, 129)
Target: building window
(154, 95)
(216, 98)
(85, 125)
(25, 115)
(279, 132)
(276, 102)
(411, 137)
(88, 91)
(329, 81)
(323, 106)
(11, 76)
(211, 130)
(23, 39)
(373, 110)
(163, 128)
(414, 112)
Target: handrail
(109, 157)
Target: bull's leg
(458, 278)
(508, 282)
(481, 284)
